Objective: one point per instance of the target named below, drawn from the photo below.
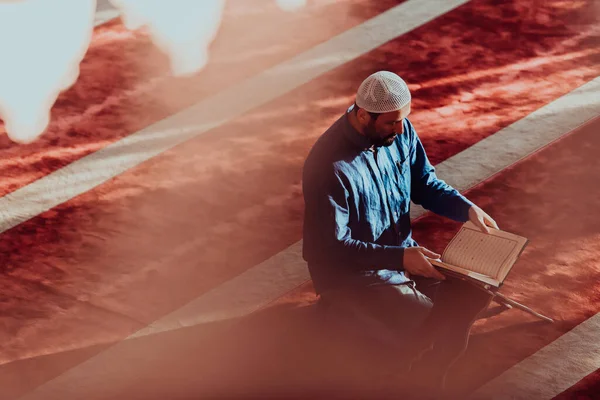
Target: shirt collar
(361, 142)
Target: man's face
(383, 130)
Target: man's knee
(399, 308)
(467, 297)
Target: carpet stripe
(99, 167)
(552, 370)
(136, 89)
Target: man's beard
(376, 140)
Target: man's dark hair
(372, 114)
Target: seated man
(358, 181)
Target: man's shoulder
(408, 139)
(328, 163)
(330, 148)
(409, 129)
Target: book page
(457, 271)
(487, 254)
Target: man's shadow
(284, 351)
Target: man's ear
(362, 116)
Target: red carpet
(101, 266)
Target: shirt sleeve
(431, 192)
(329, 217)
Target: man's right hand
(416, 263)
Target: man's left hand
(479, 217)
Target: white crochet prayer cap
(383, 92)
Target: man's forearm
(441, 198)
(368, 255)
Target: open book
(486, 258)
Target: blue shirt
(357, 203)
